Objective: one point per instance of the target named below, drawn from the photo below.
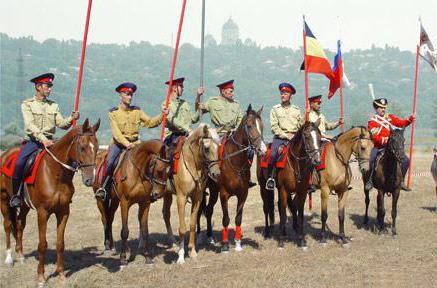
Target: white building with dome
(230, 33)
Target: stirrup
(15, 201)
(101, 193)
(270, 184)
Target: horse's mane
(353, 127)
(149, 146)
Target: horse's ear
(205, 130)
(249, 108)
(85, 125)
(260, 111)
(96, 126)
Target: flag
(427, 50)
(337, 74)
(315, 56)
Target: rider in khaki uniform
(285, 120)
(125, 120)
(41, 117)
(315, 115)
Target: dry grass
(371, 261)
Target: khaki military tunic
(324, 124)
(126, 123)
(285, 120)
(224, 113)
(41, 117)
(180, 117)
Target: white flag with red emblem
(427, 51)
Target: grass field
(371, 261)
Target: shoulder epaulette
(135, 108)
(295, 107)
(277, 106)
(28, 100)
(113, 109)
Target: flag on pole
(337, 74)
(427, 51)
(316, 57)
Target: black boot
(16, 200)
(103, 190)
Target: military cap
(317, 98)
(287, 87)
(126, 87)
(177, 81)
(225, 85)
(381, 102)
(46, 78)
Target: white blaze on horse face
(314, 136)
(214, 135)
(258, 126)
(92, 147)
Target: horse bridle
(208, 163)
(399, 158)
(359, 138)
(152, 165)
(309, 153)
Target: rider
(225, 112)
(315, 114)
(285, 120)
(379, 125)
(41, 117)
(125, 120)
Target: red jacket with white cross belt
(380, 127)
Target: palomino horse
(198, 160)
(337, 173)
(235, 174)
(51, 192)
(303, 152)
(143, 171)
(387, 179)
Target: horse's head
(395, 144)
(209, 147)
(158, 170)
(312, 141)
(253, 129)
(84, 150)
(362, 145)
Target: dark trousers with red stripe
(26, 150)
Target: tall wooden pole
(310, 196)
(202, 53)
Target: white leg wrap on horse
(238, 246)
(9, 260)
(181, 254)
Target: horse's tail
(13, 218)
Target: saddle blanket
(9, 166)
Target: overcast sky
(269, 23)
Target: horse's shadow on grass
(372, 224)
(432, 209)
(217, 236)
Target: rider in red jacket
(379, 125)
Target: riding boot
(270, 184)
(16, 200)
(104, 188)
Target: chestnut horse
(337, 173)
(387, 179)
(303, 152)
(198, 160)
(143, 170)
(235, 174)
(51, 192)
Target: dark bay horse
(303, 153)
(387, 179)
(235, 174)
(198, 160)
(143, 170)
(51, 192)
(337, 174)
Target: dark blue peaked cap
(287, 85)
(126, 86)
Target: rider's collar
(228, 99)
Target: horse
(198, 161)
(303, 152)
(142, 171)
(235, 174)
(434, 172)
(387, 179)
(337, 173)
(51, 192)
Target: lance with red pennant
(202, 54)
(82, 59)
(173, 66)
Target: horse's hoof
(346, 245)
(42, 284)
(395, 236)
(281, 244)
(225, 248)
(238, 246)
(20, 260)
(323, 243)
(122, 267)
(303, 248)
(181, 260)
(9, 262)
(149, 261)
(210, 241)
(61, 277)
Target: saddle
(32, 164)
(281, 161)
(101, 172)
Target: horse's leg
(300, 198)
(282, 207)
(181, 201)
(7, 224)
(394, 211)
(43, 217)
(342, 198)
(213, 197)
(61, 219)
(267, 199)
(224, 196)
(143, 219)
(104, 211)
(324, 195)
(239, 219)
(124, 203)
(166, 213)
(193, 219)
(381, 210)
(366, 213)
(21, 224)
(115, 202)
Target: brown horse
(235, 174)
(303, 153)
(198, 160)
(52, 191)
(143, 171)
(337, 173)
(387, 179)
